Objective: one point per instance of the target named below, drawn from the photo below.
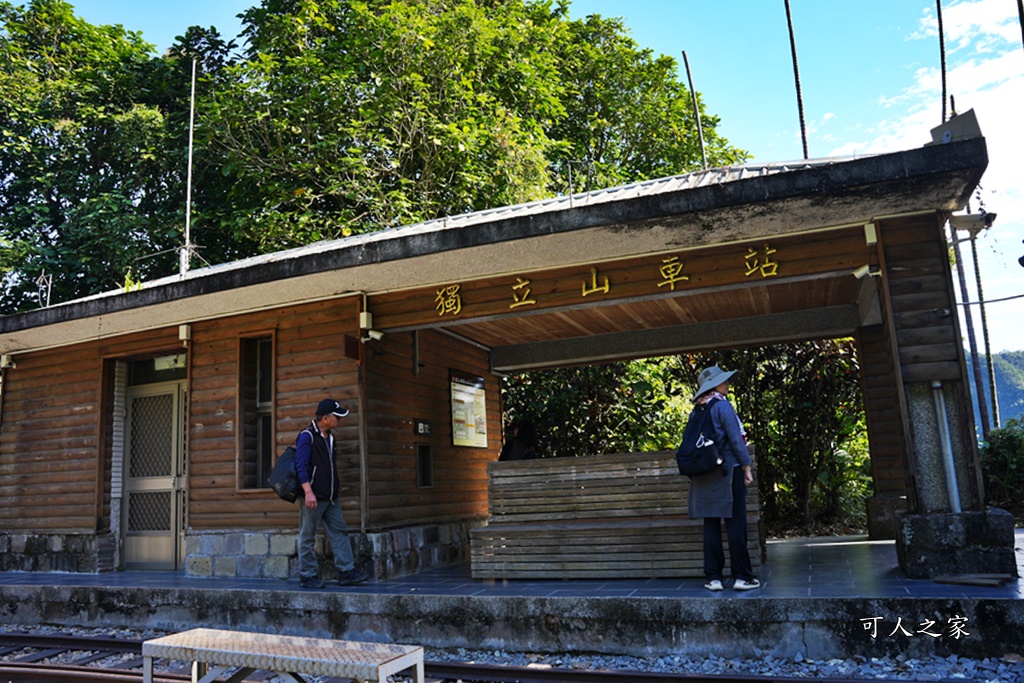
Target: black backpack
(698, 453)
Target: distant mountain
(1009, 367)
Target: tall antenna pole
(696, 112)
(186, 251)
(942, 57)
(796, 75)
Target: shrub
(1002, 467)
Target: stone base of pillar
(882, 511)
(929, 545)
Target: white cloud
(980, 25)
(985, 72)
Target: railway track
(31, 658)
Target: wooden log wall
(401, 389)
(309, 365)
(915, 258)
(54, 438)
(883, 411)
(916, 261)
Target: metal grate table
(213, 652)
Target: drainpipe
(6, 363)
(947, 447)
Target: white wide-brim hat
(710, 378)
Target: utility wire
(990, 301)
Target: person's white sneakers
(713, 585)
(742, 585)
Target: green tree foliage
(1002, 466)
(1009, 366)
(627, 407)
(81, 155)
(627, 118)
(800, 404)
(339, 117)
(349, 117)
(1009, 371)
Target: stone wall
(248, 554)
(274, 554)
(933, 545)
(240, 553)
(49, 553)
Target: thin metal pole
(979, 386)
(696, 112)
(946, 446)
(569, 165)
(984, 332)
(796, 76)
(942, 57)
(1020, 13)
(186, 251)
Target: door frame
(162, 550)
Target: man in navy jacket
(316, 466)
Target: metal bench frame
(214, 652)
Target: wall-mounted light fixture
(373, 335)
(184, 334)
(366, 325)
(866, 270)
(972, 221)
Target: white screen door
(153, 523)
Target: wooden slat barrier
(603, 516)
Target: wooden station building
(137, 427)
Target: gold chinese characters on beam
(659, 275)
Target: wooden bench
(603, 516)
(287, 656)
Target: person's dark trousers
(736, 531)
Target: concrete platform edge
(739, 626)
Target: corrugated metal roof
(686, 181)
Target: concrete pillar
(930, 469)
(950, 533)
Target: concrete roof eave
(711, 207)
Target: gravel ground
(1008, 669)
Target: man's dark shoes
(311, 582)
(350, 577)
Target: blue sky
(870, 78)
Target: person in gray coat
(716, 496)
